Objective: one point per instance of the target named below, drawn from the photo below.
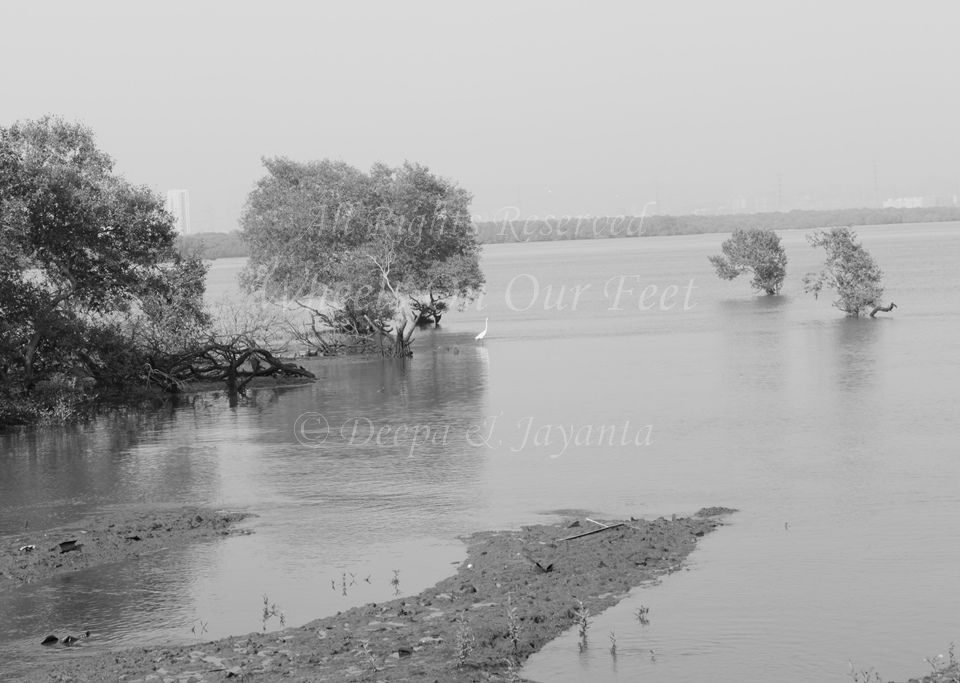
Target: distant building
(904, 203)
(919, 202)
(178, 204)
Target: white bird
(484, 333)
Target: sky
(537, 108)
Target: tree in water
(849, 270)
(753, 251)
(367, 255)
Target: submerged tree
(753, 251)
(368, 255)
(850, 270)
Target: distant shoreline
(216, 245)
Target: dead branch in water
(885, 309)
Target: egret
(483, 334)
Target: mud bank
(516, 591)
(30, 556)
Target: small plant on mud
(613, 644)
(395, 582)
(582, 617)
(864, 675)
(366, 653)
(513, 625)
(270, 611)
(465, 640)
(641, 615)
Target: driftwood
(234, 362)
(885, 309)
(594, 531)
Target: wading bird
(483, 334)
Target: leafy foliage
(753, 251)
(365, 244)
(86, 259)
(849, 270)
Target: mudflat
(515, 591)
(33, 555)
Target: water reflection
(394, 470)
(855, 357)
(754, 342)
(50, 476)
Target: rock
(50, 640)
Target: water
(834, 437)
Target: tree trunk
(233, 394)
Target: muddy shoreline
(102, 539)
(514, 592)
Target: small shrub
(270, 611)
(582, 617)
(513, 625)
(465, 641)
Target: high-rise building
(178, 204)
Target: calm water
(835, 438)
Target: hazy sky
(558, 107)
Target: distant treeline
(213, 245)
(589, 227)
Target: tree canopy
(368, 244)
(849, 270)
(81, 249)
(753, 251)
